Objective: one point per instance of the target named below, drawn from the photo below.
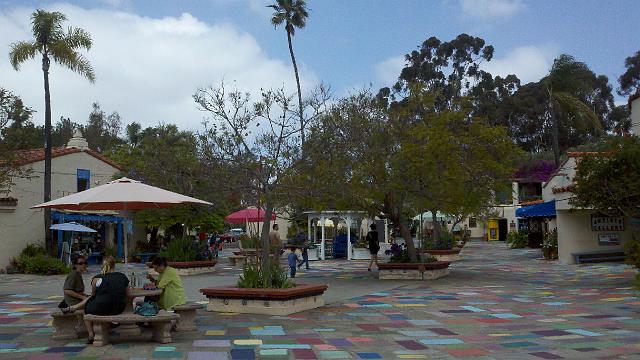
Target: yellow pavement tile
(248, 342)
(214, 332)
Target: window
(472, 222)
(83, 179)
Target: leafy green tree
(630, 80)
(14, 117)
(609, 183)
(52, 42)
(293, 14)
(102, 131)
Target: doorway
(503, 229)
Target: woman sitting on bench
(170, 283)
(109, 294)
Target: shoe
(90, 341)
(368, 269)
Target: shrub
(632, 249)
(179, 250)
(550, 245)
(445, 241)
(250, 241)
(400, 254)
(253, 277)
(32, 250)
(517, 239)
(41, 265)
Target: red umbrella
(247, 215)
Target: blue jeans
(292, 271)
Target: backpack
(148, 308)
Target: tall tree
(630, 80)
(293, 14)
(52, 42)
(565, 84)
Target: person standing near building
(274, 241)
(374, 245)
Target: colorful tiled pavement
(496, 304)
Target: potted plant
(360, 250)
(251, 295)
(400, 266)
(8, 202)
(550, 245)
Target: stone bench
(67, 326)
(160, 324)
(187, 314)
(598, 256)
(237, 260)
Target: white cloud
(529, 63)
(387, 71)
(147, 69)
(490, 9)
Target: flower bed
(413, 271)
(264, 301)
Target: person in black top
(374, 245)
(110, 291)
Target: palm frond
(21, 52)
(47, 26)
(78, 38)
(588, 120)
(71, 59)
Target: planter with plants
(252, 296)
(517, 239)
(360, 250)
(550, 245)
(189, 257)
(443, 249)
(400, 266)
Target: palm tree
(52, 42)
(565, 81)
(292, 13)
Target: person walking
(293, 261)
(374, 245)
(305, 255)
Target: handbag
(147, 308)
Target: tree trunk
(436, 226)
(408, 239)
(47, 155)
(266, 245)
(295, 70)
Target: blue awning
(547, 209)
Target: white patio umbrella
(72, 226)
(122, 194)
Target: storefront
(540, 218)
(109, 232)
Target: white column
(322, 220)
(348, 221)
(386, 230)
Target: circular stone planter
(413, 271)
(445, 255)
(265, 301)
(191, 267)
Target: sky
(150, 56)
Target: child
(293, 261)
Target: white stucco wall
(635, 117)
(23, 225)
(575, 234)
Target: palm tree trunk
(295, 70)
(47, 154)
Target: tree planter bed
(192, 267)
(413, 271)
(445, 255)
(265, 301)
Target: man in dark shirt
(74, 285)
